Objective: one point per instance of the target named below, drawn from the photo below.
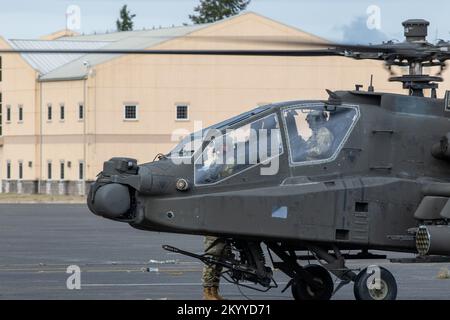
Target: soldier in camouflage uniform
(211, 274)
(321, 140)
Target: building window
(49, 171)
(8, 170)
(8, 113)
(20, 170)
(81, 170)
(20, 113)
(182, 112)
(61, 112)
(80, 111)
(61, 175)
(49, 112)
(130, 112)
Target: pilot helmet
(316, 116)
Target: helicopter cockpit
(191, 143)
(238, 149)
(314, 133)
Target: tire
(302, 291)
(387, 290)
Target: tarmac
(38, 242)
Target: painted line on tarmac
(103, 270)
(186, 284)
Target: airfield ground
(39, 241)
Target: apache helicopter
(376, 179)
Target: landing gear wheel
(302, 291)
(387, 289)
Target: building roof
(73, 66)
(46, 63)
(52, 67)
(76, 69)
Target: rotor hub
(417, 83)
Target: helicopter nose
(111, 201)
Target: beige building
(62, 115)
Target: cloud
(358, 32)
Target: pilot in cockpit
(321, 140)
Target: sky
(344, 20)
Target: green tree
(125, 22)
(213, 10)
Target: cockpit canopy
(314, 133)
(239, 149)
(193, 142)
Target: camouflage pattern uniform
(211, 274)
(319, 143)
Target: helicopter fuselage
(364, 196)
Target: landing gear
(375, 284)
(247, 263)
(314, 282)
(323, 291)
(311, 282)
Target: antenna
(433, 93)
(371, 88)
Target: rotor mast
(416, 31)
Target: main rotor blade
(276, 53)
(301, 47)
(291, 41)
